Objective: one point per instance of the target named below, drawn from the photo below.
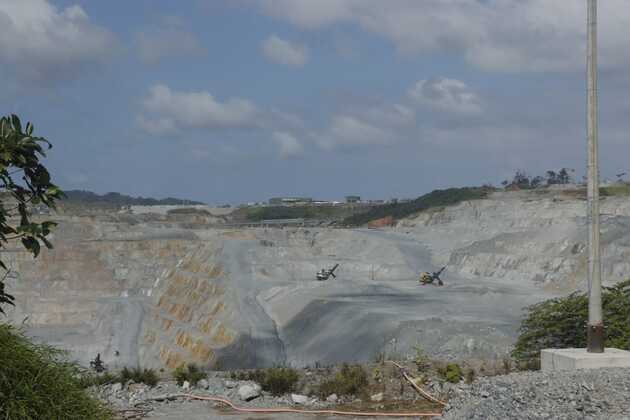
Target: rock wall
(526, 237)
(160, 292)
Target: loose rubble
(586, 394)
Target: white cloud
(284, 52)
(41, 44)
(445, 94)
(496, 35)
(289, 146)
(169, 111)
(171, 39)
(391, 114)
(350, 132)
(157, 126)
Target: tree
(552, 178)
(24, 183)
(537, 181)
(563, 176)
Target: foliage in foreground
(37, 383)
(277, 381)
(350, 380)
(436, 198)
(561, 323)
(191, 373)
(24, 182)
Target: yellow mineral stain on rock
(215, 271)
(218, 307)
(184, 340)
(150, 337)
(167, 324)
(221, 337)
(181, 312)
(171, 359)
(201, 351)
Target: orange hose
(291, 410)
(413, 383)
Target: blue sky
(234, 101)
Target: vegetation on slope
(561, 323)
(614, 190)
(37, 383)
(256, 214)
(117, 199)
(436, 198)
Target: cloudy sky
(227, 101)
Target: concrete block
(571, 359)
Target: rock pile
(587, 394)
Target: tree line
(524, 181)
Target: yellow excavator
(429, 278)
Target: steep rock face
(88, 294)
(186, 320)
(517, 237)
(159, 292)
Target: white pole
(595, 329)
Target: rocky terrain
(586, 394)
(158, 290)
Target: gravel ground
(586, 394)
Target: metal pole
(595, 328)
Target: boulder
(299, 399)
(203, 384)
(377, 397)
(230, 384)
(249, 391)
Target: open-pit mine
(158, 290)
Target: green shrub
(421, 360)
(350, 380)
(139, 376)
(277, 380)
(37, 382)
(561, 323)
(191, 373)
(451, 373)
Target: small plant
(277, 381)
(139, 376)
(421, 360)
(380, 358)
(350, 380)
(191, 373)
(377, 375)
(469, 377)
(451, 373)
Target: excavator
(429, 278)
(324, 274)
